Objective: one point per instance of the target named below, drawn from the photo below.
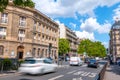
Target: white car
(38, 66)
(75, 61)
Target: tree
(64, 46)
(3, 4)
(95, 49)
(22, 3)
(85, 46)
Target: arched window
(1, 50)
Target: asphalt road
(64, 72)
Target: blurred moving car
(37, 66)
(93, 63)
(75, 61)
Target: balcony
(21, 35)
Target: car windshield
(92, 60)
(30, 61)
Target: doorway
(20, 52)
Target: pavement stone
(112, 73)
(8, 73)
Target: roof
(116, 25)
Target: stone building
(67, 33)
(26, 32)
(114, 43)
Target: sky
(90, 19)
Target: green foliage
(3, 4)
(95, 49)
(64, 46)
(22, 3)
(7, 63)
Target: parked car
(93, 63)
(37, 66)
(75, 61)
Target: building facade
(114, 43)
(68, 34)
(26, 32)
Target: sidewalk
(112, 73)
(8, 73)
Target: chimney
(117, 19)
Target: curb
(7, 74)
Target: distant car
(67, 58)
(61, 58)
(93, 63)
(97, 58)
(118, 62)
(37, 66)
(86, 60)
(75, 61)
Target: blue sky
(90, 19)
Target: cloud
(85, 35)
(116, 13)
(73, 25)
(68, 8)
(91, 25)
(105, 28)
(106, 44)
(80, 34)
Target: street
(64, 72)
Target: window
(38, 36)
(35, 25)
(21, 31)
(33, 53)
(34, 35)
(22, 21)
(48, 61)
(1, 50)
(21, 35)
(4, 18)
(2, 33)
(43, 36)
(38, 53)
(39, 26)
(43, 28)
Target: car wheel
(70, 64)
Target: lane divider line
(56, 77)
(71, 72)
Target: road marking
(84, 65)
(83, 73)
(56, 77)
(63, 66)
(77, 78)
(71, 72)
